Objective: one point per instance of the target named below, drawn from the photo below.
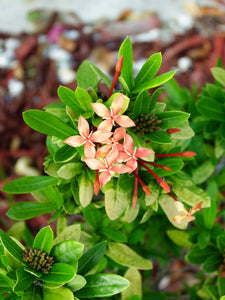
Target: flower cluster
(38, 260)
(109, 149)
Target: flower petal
(75, 141)
(180, 207)
(103, 151)
(132, 164)
(143, 152)
(104, 177)
(106, 125)
(94, 163)
(123, 156)
(117, 104)
(101, 110)
(178, 219)
(128, 144)
(100, 136)
(121, 169)
(112, 157)
(119, 134)
(124, 121)
(89, 150)
(83, 127)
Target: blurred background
(42, 44)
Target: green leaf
(60, 273)
(220, 240)
(204, 239)
(141, 104)
(160, 137)
(70, 170)
(57, 109)
(92, 216)
(155, 190)
(197, 256)
(52, 193)
(29, 184)
(68, 97)
(126, 50)
(68, 252)
(57, 294)
(209, 215)
(6, 282)
(185, 132)
(203, 172)
(171, 119)
(113, 234)
(24, 280)
(219, 75)
(44, 240)
(86, 76)
(221, 286)
(86, 189)
(211, 109)
(135, 288)
(28, 210)
(116, 199)
(154, 82)
(222, 130)
(77, 283)
(149, 69)
(11, 246)
(154, 98)
(90, 259)
(100, 74)
(64, 154)
(71, 232)
(175, 164)
(102, 285)
(213, 292)
(212, 263)
(180, 238)
(46, 123)
(125, 256)
(84, 99)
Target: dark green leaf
(90, 259)
(211, 109)
(65, 153)
(29, 210)
(100, 74)
(141, 104)
(171, 119)
(213, 292)
(52, 193)
(29, 184)
(209, 215)
(46, 123)
(204, 239)
(11, 246)
(212, 263)
(126, 50)
(160, 137)
(149, 69)
(5, 281)
(198, 256)
(154, 98)
(84, 99)
(92, 216)
(44, 240)
(221, 243)
(24, 280)
(221, 285)
(102, 285)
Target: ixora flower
(108, 167)
(112, 116)
(131, 155)
(186, 215)
(87, 138)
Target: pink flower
(107, 167)
(87, 138)
(130, 155)
(186, 215)
(113, 142)
(111, 117)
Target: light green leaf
(135, 288)
(125, 256)
(70, 170)
(185, 132)
(46, 123)
(86, 76)
(102, 285)
(68, 97)
(203, 172)
(211, 109)
(86, 190)
(58, 294)
(11, 246)
(71, 232)
(60, 273)
(44, 239)
(171, 119)
(77, 283)
(29, 184)
(180, 238)
(219, 75)
(84, 99)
